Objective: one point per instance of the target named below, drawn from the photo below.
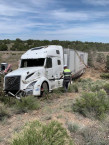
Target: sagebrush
(36, 133)
(92, 104)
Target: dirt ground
(92, 73)
(50, 111)
(59, 108)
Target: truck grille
(12, 83)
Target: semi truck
(41, 68)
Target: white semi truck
(41, 69)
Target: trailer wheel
(44, 89)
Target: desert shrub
(26, 104)
(107, 62)
(92, 104)
(96, 86)
(21, 106)
(106, 88)
(100, 58)
(4, 112)
(90, 59)
(73, 88)
(72, 127)
(105, 75)
(7, 100)
(94, 136)
(90, 85)
(3, 47)
(59, 91)
(36, 133)
(85, 84)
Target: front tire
(44, 89)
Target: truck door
(49, 69)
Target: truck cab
(40, 69)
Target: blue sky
(82, 20)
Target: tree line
(23, 45)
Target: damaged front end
(13, 87)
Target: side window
(58, 62)
(24, 63)
(49, 63)
(57, 51)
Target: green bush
(59, 91)
(96, 86)
(105, 75)
(90, 85)
(90, 59)
(94, 104)
(21, 106)
(106, 88)
(107, 62)
(3, 112)
(100, 58)
(73, 88)
(3, 47)
(36, 133)
(85, 84)
(26, 104)
(94, 136)
(72, 127)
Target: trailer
(76, 61)
(41, 70)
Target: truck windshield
(32, 62)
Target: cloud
(94, 31)
(52, 19)
(64, 15)
(97, 2)
(14, 8)
(41, 3)
(78, 15)
(21, 26)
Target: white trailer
(76, 61)
(41, 69)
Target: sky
(73, 20)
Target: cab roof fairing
(34, 54)
(41, 53)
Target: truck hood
(25, 71)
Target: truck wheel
(44, 89)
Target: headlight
(31, 86)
